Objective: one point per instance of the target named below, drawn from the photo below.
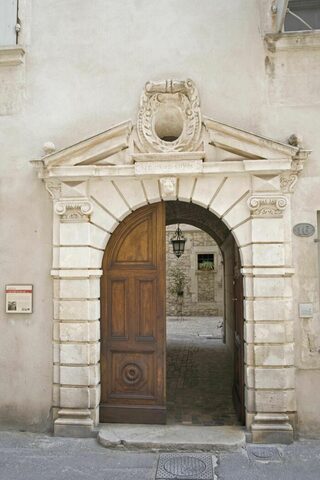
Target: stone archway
(133, 268)
(244, 179)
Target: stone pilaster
(77, 256)
(270, 378)
(77, 351)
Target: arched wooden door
(133, 320)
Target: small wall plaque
(305, 310)
(304, 230)
(18, 298)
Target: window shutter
(8, 20)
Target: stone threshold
(171, 437)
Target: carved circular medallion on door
(131, 373)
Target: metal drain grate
(264, 454)
(185, 466)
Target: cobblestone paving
(199, 379)
(198, 326)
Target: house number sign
(18, 298)
(304, 230)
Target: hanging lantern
(178, 242)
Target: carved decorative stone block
(288, 182)
(53, 187)
(169, 119)
(267, 206)
(168, 186)
(73, 210)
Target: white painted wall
(85, 66)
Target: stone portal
(174, 153)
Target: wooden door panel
(117, 300)
(133, 320)
(132, 376)
(137, 247)
(145, 294)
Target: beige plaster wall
(26, 340)
(308, 398)
(85, 67)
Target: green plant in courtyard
(177, 281)
(206, 265)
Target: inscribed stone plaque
(167, 167)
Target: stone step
(172, 437)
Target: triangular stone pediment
(94, 150)
(170, 127)
(116, 146)
(246, 144)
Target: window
(302, 15)
(205, 261)
(8, 22)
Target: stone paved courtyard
(199, 373)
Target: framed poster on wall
(19, 298)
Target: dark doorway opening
(199, 363)
(204, 341)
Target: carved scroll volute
(267, 205)
(73, 210)
(169, 118)
(53, 187)
(288, 182)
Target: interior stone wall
(203, 293)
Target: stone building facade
(97, 97)
(203, 292)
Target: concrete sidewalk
(173, 437)
(27, 456)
